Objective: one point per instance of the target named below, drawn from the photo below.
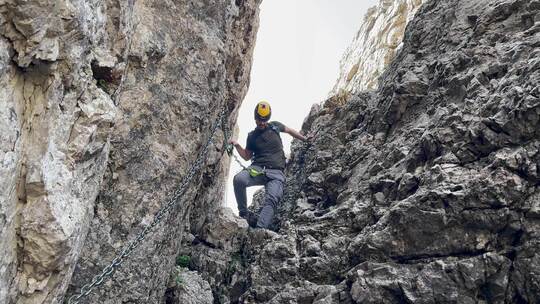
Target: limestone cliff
(423, 191)
(54, 123)
(103, 106)
(375, 45)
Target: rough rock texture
(187, 287)
(188, 58)
(216, 250)
(54, 124)
(375, 45)
(10, 156)
(110, 100)
(424, 191)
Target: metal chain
(229, 148)
(237, 160)
(158, 217)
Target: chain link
(158, 217)
(229, 148)
(238, 160)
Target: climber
(264, 146)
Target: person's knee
(239, 180)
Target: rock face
(189, 59)
(54, 144)
(375, 45)
(188, 288)
(103, 107)
(424, 191)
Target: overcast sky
(296, 62)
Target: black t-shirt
(267, 147)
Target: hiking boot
(250, 217)
(243, 214)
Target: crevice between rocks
(415, 259)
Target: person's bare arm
(244, 153)
(295, 134)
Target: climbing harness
(158, 217)
(254, 172)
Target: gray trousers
(273, 182)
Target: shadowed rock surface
(424, 191)
(188, 59)
(104, 105)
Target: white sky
(296, 62)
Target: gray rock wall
(55, 123)
(103, 105)
(424, 191)
(10, 150)
(187, 60)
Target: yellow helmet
(263, 111)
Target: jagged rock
(103, 107)
(188, 287)
(10, 160)
(187, 60)
(225, 229)
(426, 190)
(55, 124)
(374, 47)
